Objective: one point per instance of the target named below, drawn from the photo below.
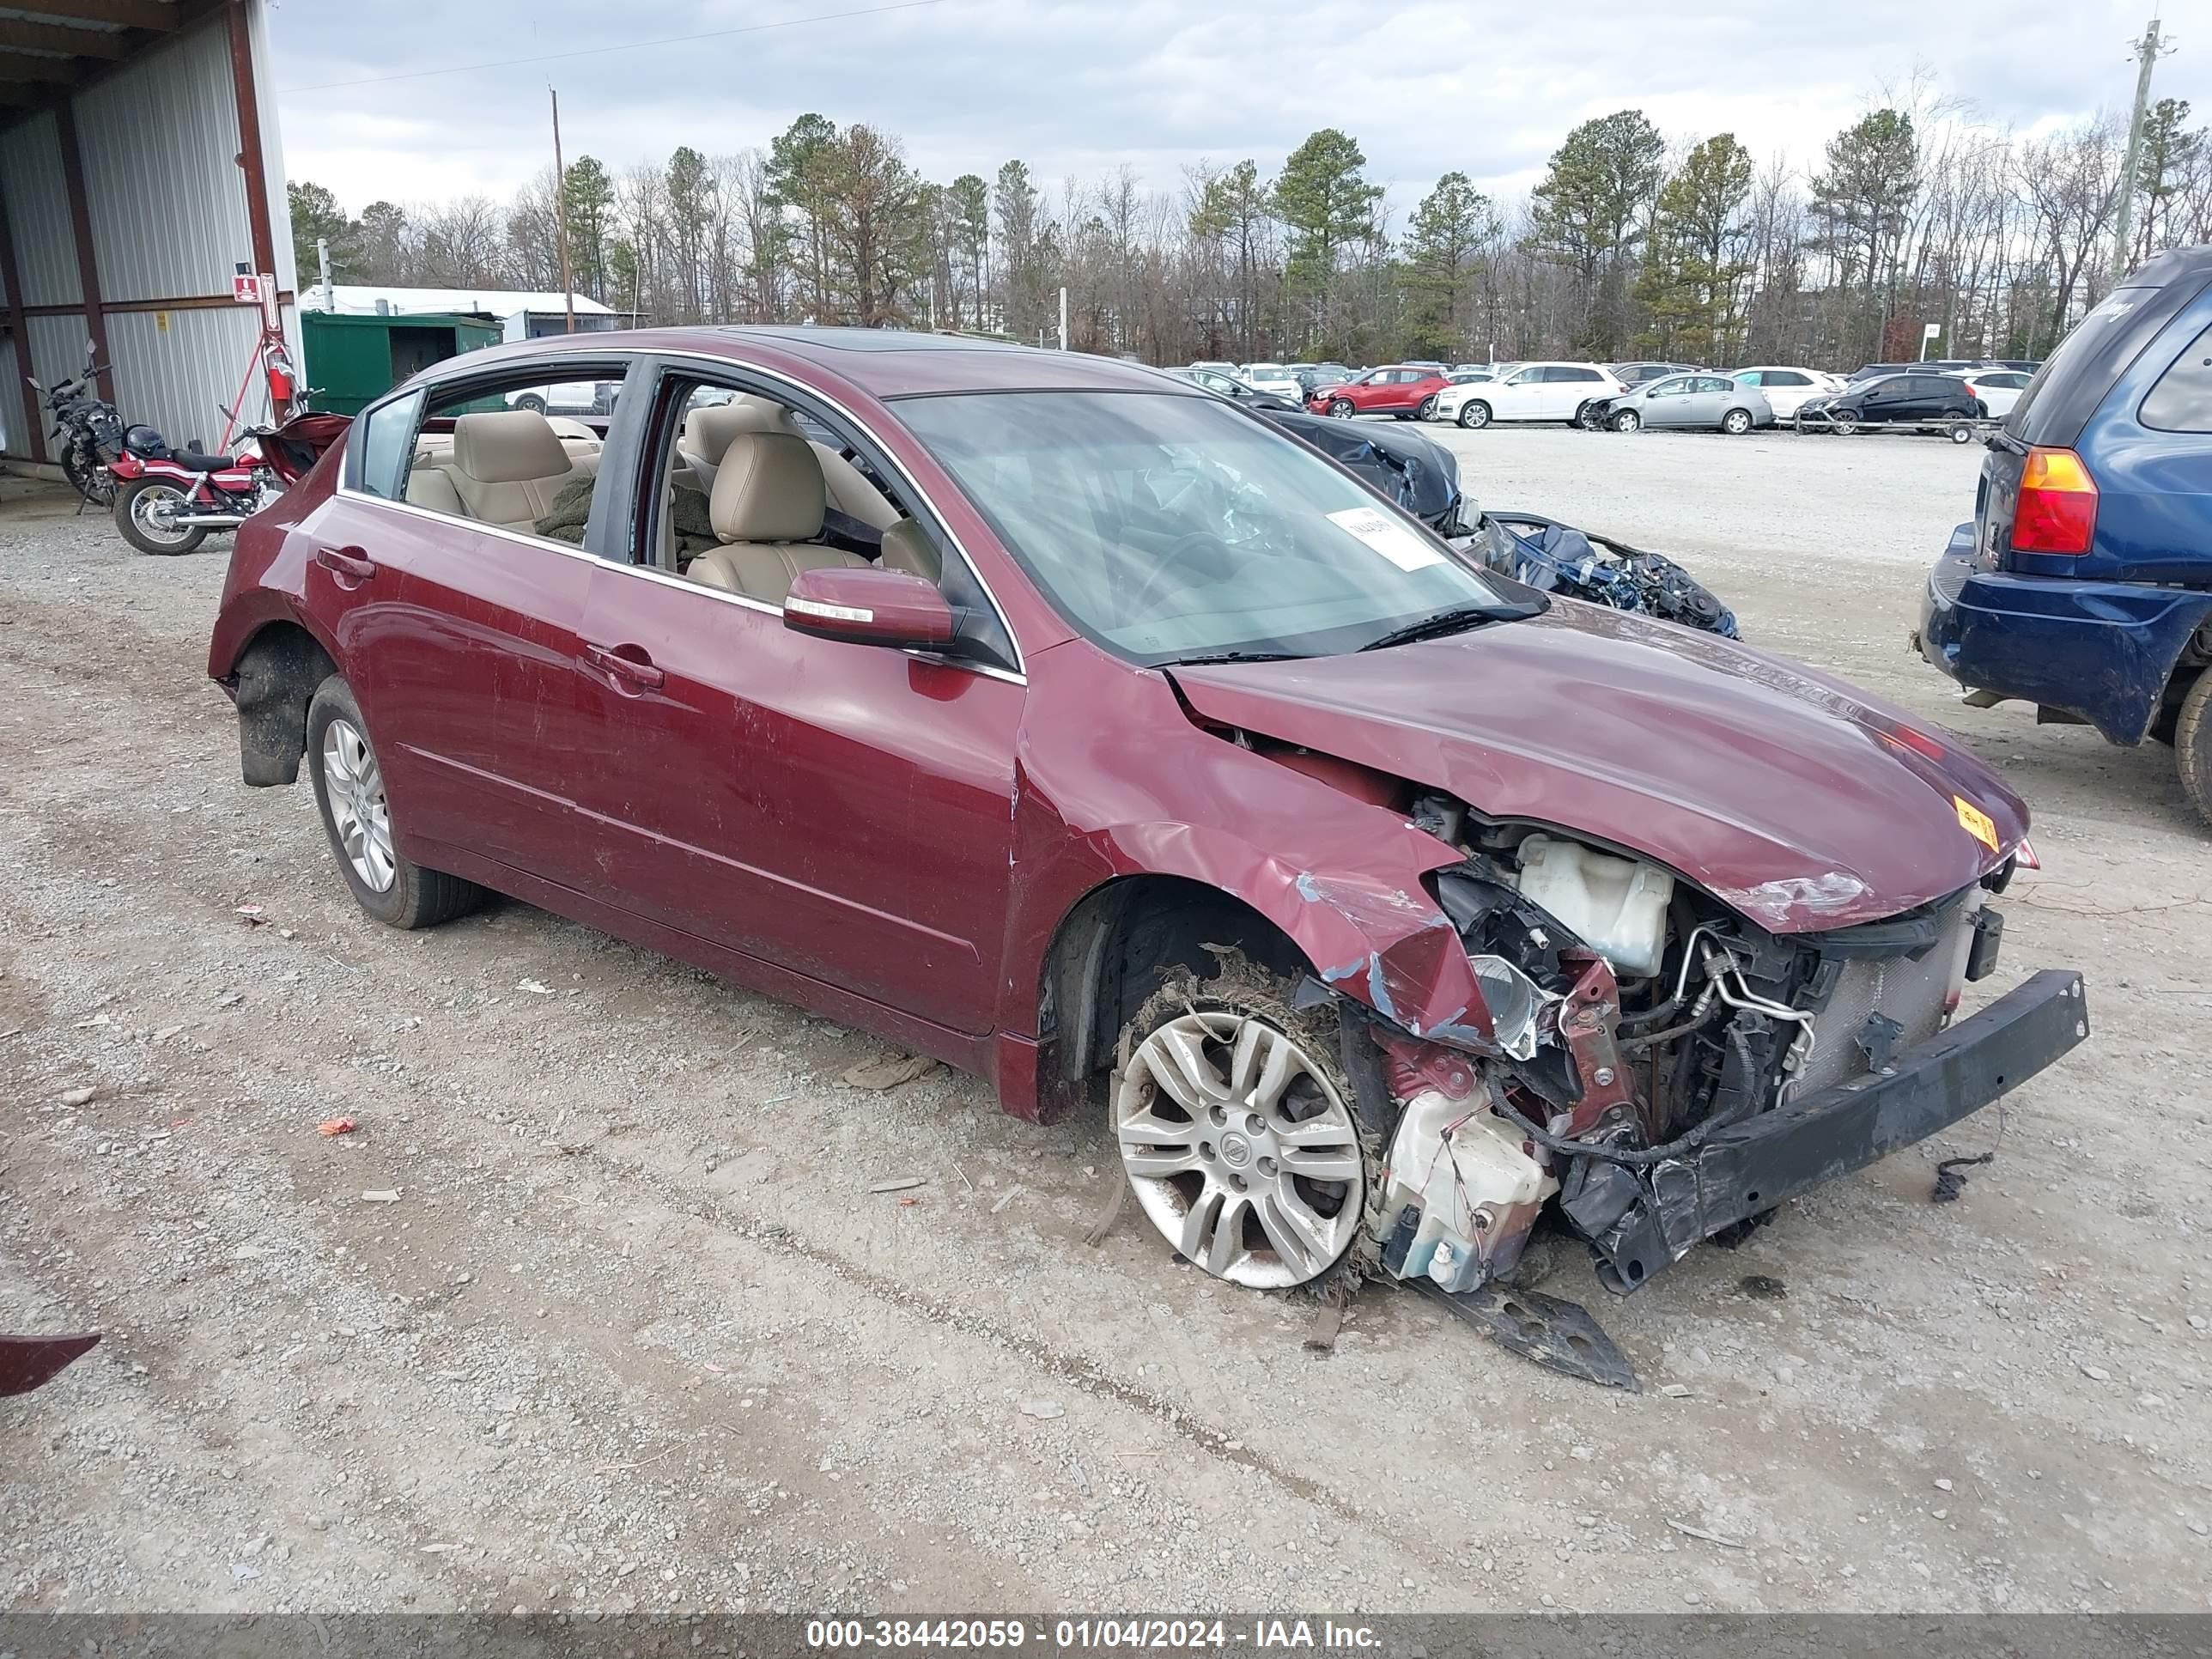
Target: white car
(1528, 391)
(1785, 386)
(1997, 390)
(1275, 379)
(568, 398)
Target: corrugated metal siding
(174, 380)
(38, 213)
(158, 137)
(56, 347)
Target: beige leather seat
(767, 505)
(505, 469)
(706, 433)
(907, 547)
(577, 438)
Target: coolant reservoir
(1616, 906)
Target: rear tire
(2192, 745)
(410, 895)
(1474, 414)
(1736, 422)
(1962, 431)
(1427, 411)
(138, 506)
(1582, 413)
(530, 401)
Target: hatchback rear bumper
(1642, 1220)
(2101, 651)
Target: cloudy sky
(413, 101)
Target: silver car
(1712, 402)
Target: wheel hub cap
(1239, 1150)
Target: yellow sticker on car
(1976, 823)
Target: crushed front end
(1667, 1068)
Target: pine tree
(1695, 264)
(1323, 198)
(1445, 243)
(1586, 215)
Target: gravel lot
(635, 1335)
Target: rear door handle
(628, 662)
(347, 561)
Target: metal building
(140, 172)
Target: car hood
(1787, 795)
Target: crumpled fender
(1383, 943)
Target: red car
(1395, 390)
(1086, 732)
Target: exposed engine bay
(1635, 1019)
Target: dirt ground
(636, 1334)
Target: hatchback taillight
(2056, 511)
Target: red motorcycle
(167, 501)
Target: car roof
(883, 362)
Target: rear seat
(503, 468)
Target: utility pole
(1063, 320)
(2146, 53)
(561, 213)
(323, 274)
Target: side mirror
(870, 606)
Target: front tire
(1237, 1128)
(1626, 419)
(1474, 414)
(142, 511)
(1844, 426)
(1342, 409)
(1736, 422)
(530, 401)
(2192, 745)
(357, 818)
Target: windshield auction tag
(1391, 539)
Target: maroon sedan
(1394, 389)
(1087, 733)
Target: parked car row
(1949, 396)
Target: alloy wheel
(1341, 408)
(1239, 1149)
(1428, 409)
(1474, 413)
(354, 784)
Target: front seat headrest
(706, 432)
(507, 446)
(908, 547)
(768, 488)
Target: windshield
(1165, 526)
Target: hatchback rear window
(2182, 400)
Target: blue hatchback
(2084, 583)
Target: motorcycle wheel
(142, 510)
(87, 476)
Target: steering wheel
(1173, 556)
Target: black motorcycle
(88, 431)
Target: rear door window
(2182, 400)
